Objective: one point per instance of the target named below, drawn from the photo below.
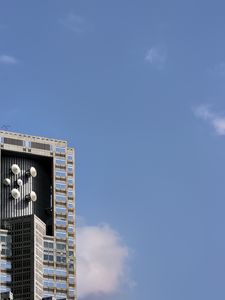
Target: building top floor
(34, 144)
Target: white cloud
(219, 125)
(101, 261)
(74, 22)
(8, 59)
(156, 56)
(216, 120)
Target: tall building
(37, 218)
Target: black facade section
(41, 185)
(27, 256)
(22, 258)
(40, 146)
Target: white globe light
(15, 169)
(7, 181)
(31, 172)
(19, 182)
(15, 193)
(32, 196)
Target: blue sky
(137, 87)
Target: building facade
(37, 218)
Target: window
(70, 193)
(60, 246)
(61, 296)
(48, 271)
(70, 181)
(60, 210)
(71, 279)
(71, 265)
(60, 186)
(5, 238)
(70, 169)
(61, 259)
(71, 292)
(60, 222)
(48, 245)
(70, 157)
(4, 289)
(71, 241)
(70, 217)
(60, 162)
(47, 294)
(49, 283)
(60, 150)
(71, 229)
(60, 285)
(61, 272)
(60, 174)
(61, 234)
(8, 252)
(60, 198)
(70, 205)
(5, 265)
(5, 278)
(48, 257)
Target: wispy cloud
(8, 59)
(74, 22)
(156, 56)
(101, 261)
(216, 120)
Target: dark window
(40, 146)
(13, 141)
